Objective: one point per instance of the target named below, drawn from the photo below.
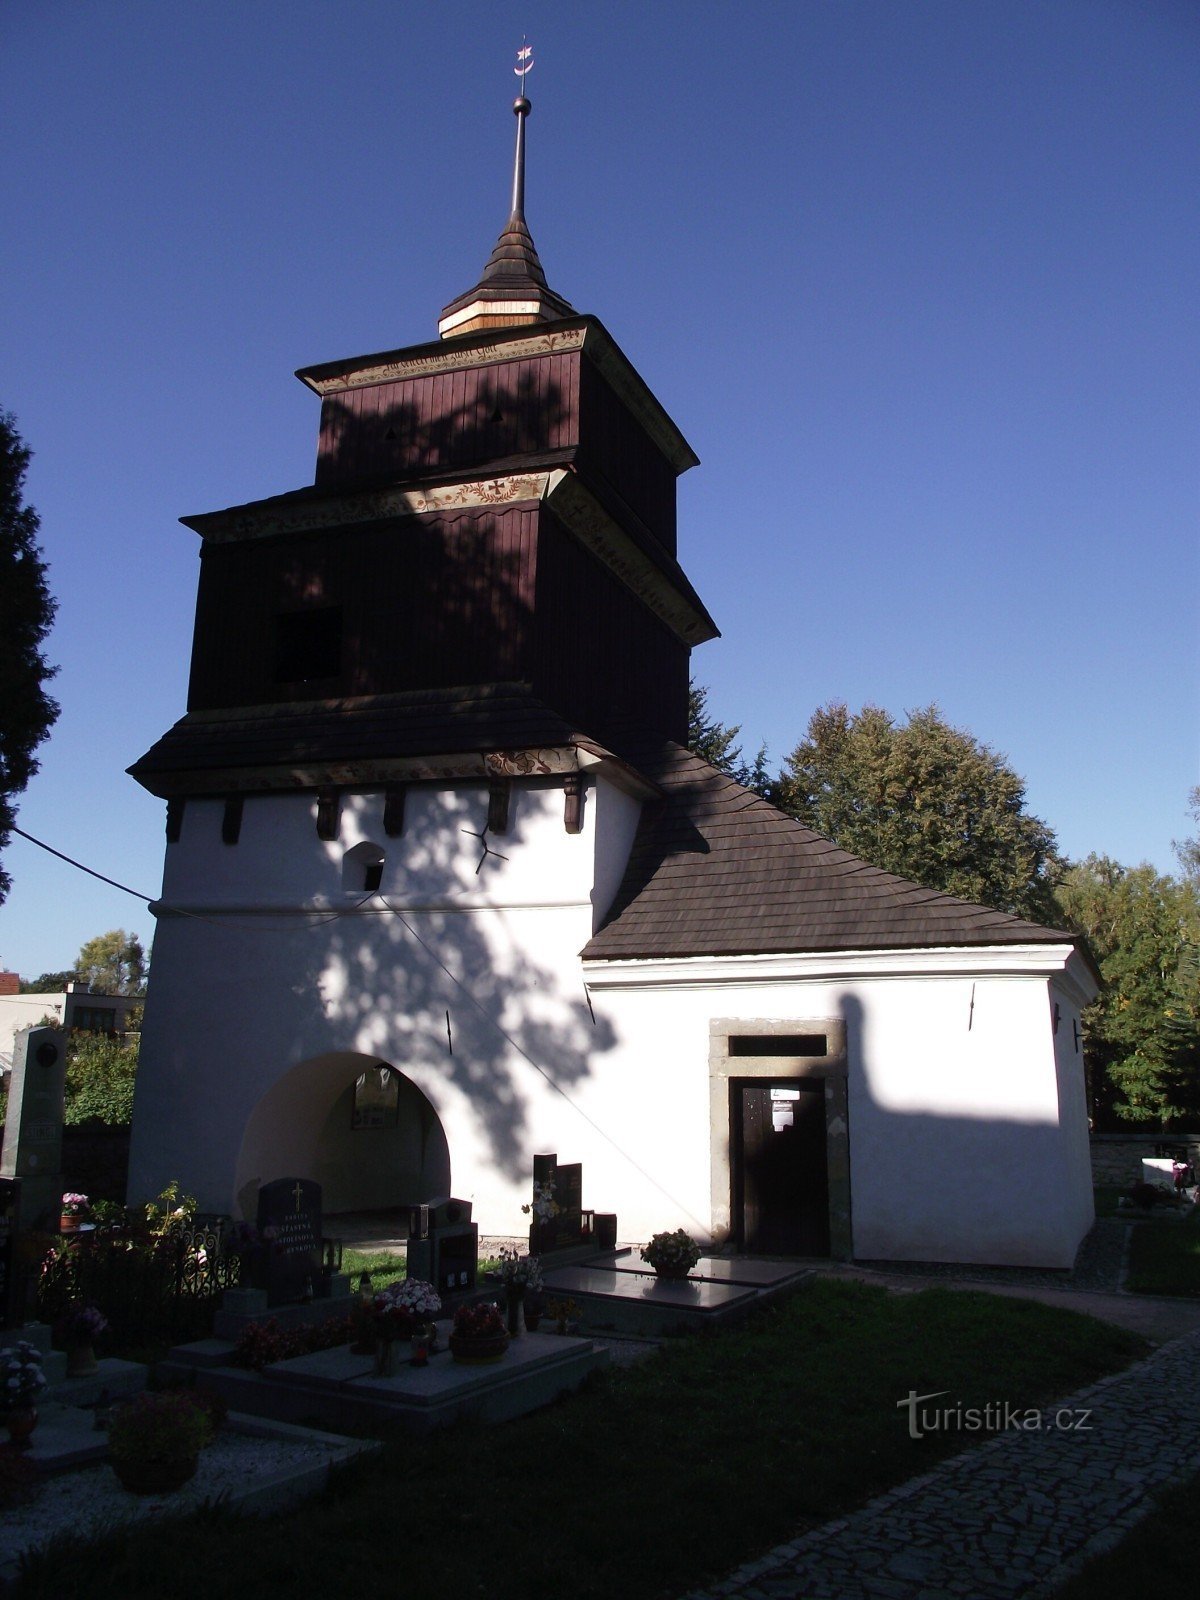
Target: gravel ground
(90, 1500)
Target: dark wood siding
(425, 602)
(601, 658)
(463, 418)
(614, 444)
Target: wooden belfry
(485, 564)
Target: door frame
(832, 1066)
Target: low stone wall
(1117, 1157)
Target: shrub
(100, 1078)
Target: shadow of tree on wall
(427, 600)
(369, 434)
(455, 999)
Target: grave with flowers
(558, 1221)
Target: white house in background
(74, 1008)
(444, 889)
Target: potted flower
(672, 1255)
(155, 1441)
(23, 1381)
(79, 1330)
(479, 1334)
(76, 1208)
(521, 1276)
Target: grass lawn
(384, 1267)
(1164, 1255)
(1159, 1557)
(650, 1481)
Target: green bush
(100, 1079)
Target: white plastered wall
(957, 1150)
(279, 984)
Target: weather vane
(524, 62)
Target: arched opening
(362, 868)
(368, 1152)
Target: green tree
(1142, 1036)
(100, 1079)
(715, 743)
(926, 801)
(49, 983)
(27, 712)
(113, 963)
(1188, 850)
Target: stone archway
(303, 1127)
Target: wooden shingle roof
(714, 870)
(208, 749)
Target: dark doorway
(779, 1168)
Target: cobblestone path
(1013, 1517)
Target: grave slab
(340, 1390)
(254, 1466)
(614, 1295)
(714, 1269)
(694, 1294)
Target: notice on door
(783, 1109)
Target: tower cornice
(497, 345)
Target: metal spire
(513, 288)
(521, 109)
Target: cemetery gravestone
(289, 1220)
(33, 1128)
(570, 1199)
(564, 1181)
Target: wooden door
(780, 1176)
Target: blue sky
(916, 279)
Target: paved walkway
(1011, 1519)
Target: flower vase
(673, 1272)
(68, 1222)
(385, 1358)
(420, 1349)
(20, 1424)
(81, 1361)
(516, 1310)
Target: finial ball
(521, 106)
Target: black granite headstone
(289, 1220)
(565, 1183)
(543, 1231)
(569, 1194)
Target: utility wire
(71, 862)
(180, 911)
